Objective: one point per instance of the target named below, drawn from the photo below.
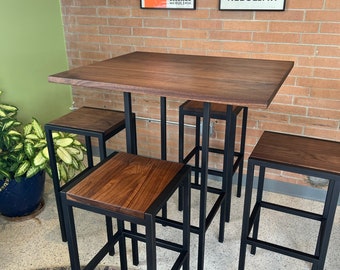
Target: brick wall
(307, 32)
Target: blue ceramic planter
(21, 199)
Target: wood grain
(126, 183)
(216, 108)
(235, 81)
(93, 119)
(298, 151)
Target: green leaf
(4, 174)
(32, 136)
(18, 147)
(39, 159)
(62, 172)
(72, 150)
(2, 113)
(38, 129)
(29, 150)
(13, 132)
(8, 108)
(27, 129)
(22, 169)
(64, 142)
(7, 124)
(42, 143)
(75, 164)
(64, 155)
(32, 171)
(45, 153)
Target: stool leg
(180, 153)
(102, 148)
(109, 232)
(131, 147)
(163, 142)
(258, 200)
(122, 245)
(89, 151)
(228, 162)
(246, 212)
(327, 223)
(135, 255)
(102, 156)
(150, 232)
(197, 148)
(56, 182)
(71, 234)
(186, 220)
(131, 144)
(242, 148)
(204, 185)
(134, 132)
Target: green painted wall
(31, 48)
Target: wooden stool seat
(296, 154)
(92, 120)
(131, 188)
(298, 151)
(217, 111)
(129, 184)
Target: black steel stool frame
(181, 179)
(195, 151)
(49, 128)
(251, 220)
(229, 145)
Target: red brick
(307, 32)
(325, 16)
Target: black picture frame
(253, 5)
(168, 4)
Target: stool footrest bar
(283, 250)
(292, 211)
(100, 255)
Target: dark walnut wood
(303, 152)
(216, 108)
(235, 81)
(126, 183)
(93, 119)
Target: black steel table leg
(228, 163)
(246, 213)
(204, 185)
(163, 141)
(131, 147)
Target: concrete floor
(36, 243)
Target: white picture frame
(264, 5)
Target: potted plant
(24, 159)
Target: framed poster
(168, 4)
(252, 4)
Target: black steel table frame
(251, 220)
(205, 218)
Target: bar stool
(88, 122)
(130, 188)
(297, 154)
(218, 111)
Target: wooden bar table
(243, 82)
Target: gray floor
(36, 243)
